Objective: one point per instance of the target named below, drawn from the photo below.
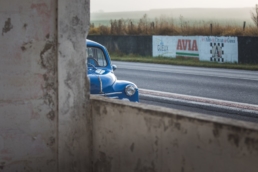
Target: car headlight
(130, 90)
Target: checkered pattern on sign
(216, 52)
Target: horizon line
(100, 11)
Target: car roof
(92, 43)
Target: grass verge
(183, 62)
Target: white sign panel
(187, 46)
(219, 49)
(172, 46)
(164, 46)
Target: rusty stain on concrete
(178, 125)
(48, 99)
(183, 165)
(132, 147)
(97, 109)
(68, 81)
(216, 132)
(234, 139)
(178, 117)
(51, 161)
(26, 45)
(51, 115)
(159, 123)
(152, 123)
(7, 26)
(140, 167)
(46, 59)
(2, 164)
(104, 110)
(103, 164)
(157, 141)
(47, 36)
(170, 123)
(23, 48)
(73, 166)
(236, 129)
(174, 143)
(251, 143)
(67, 104)
(210, 141)
(75, 21)
(49, 62)
(51, 141)
(25, 25)
(216, 129)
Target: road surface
(237, 86)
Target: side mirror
(114, 67)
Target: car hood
(107, 80)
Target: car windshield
(96, 57)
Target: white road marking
(218, 75)
(199, 99)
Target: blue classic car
(102, 78)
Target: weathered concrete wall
(44, 118)
(135, 137)
(28, 84)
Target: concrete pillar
(73, 106)
(44, 113)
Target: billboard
(218, 49)
(173, 46)
(164, 46)
(206, 48)
(187, 46)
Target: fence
(125, 44)
(206, 48)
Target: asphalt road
(223, 84)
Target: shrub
(167, 26)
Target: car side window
(96, 57)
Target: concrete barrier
(136, 137)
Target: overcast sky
(139, 5)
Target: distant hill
(224, 15)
